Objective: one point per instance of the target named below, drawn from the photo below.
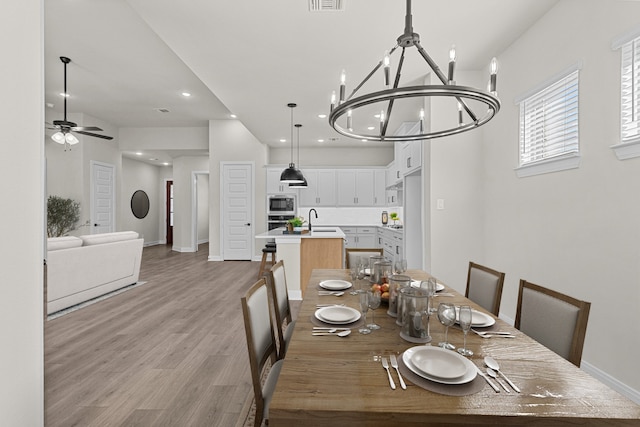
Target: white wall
(575, 231)
(202, 189)
(183, 168)
(22, 216)
(141, 176)
(188, 138)
(332, 156)
(230, 141)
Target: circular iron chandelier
(342, 108)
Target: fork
(394, 364)
(385, 365)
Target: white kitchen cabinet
(321, 190)
(391, 241)
(360, 237)
(379, 187)
(274, 186)
(355, 187)
(411, 155)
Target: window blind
(549, 121)
(630, 95)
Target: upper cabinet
(411, 157)
(321, 188)
(358, 187)
(379, 187)
(274, 186)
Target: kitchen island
(322, 247)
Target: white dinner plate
(416, 284)
(468, 376)
(337, 314)
(478, 319)
(438, 362)
(335, 285)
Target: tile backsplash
(348, 216)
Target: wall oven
(280, 209)
(284, 204)
(277, 221)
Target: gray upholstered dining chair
(555, 320)
(484, 287)
(261, 345)
(352, 254)
(281, 307)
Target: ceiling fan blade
(94, 135)
(85, 128)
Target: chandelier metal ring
(459, 92)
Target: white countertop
(322, 232)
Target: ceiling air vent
(162, 110)
(326, 5)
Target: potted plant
(394, 216)
(295, 223)
(62, 216)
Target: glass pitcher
(381, 272)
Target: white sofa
(86, 267)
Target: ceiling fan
(65, 127)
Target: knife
(394, 364)
(385, 365)
(483, 375)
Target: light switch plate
(440, 204)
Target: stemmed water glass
(363, 297)
(400, 266)
(465, 324)
(374, 302)
(355, 270)
(447, 316)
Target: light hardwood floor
(171, 352)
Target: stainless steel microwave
(283, 204)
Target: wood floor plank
(169, 352)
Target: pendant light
(302, 184)
(291, 175)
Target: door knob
(248, 223)
(96, 225)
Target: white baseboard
(600, 375)
(182, 249)
(610, 381)
(214, 258)
(152, 243)
(201, 241)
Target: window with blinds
(630, 91)
(549, 121)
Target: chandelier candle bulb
(333, 100)
(381, 121)
(452, 63)
(422, 120)
(494, 73)
(343, 79)
(460, 121)
(387, 71)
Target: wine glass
(400, 266)
(374, 302)
(447, 316)
(363, 297)
(354, 270)
(465, 324)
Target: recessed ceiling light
(186, 94)
(371, 128)
(322, 116)
(166, 164)
(66, 95)
(233, 116)
(321, 140)
(283, 140)
(138, 154)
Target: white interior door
(102, 198)
(237, 210)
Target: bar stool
(270, 248)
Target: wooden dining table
(334, 381)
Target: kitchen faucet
(315, 212)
